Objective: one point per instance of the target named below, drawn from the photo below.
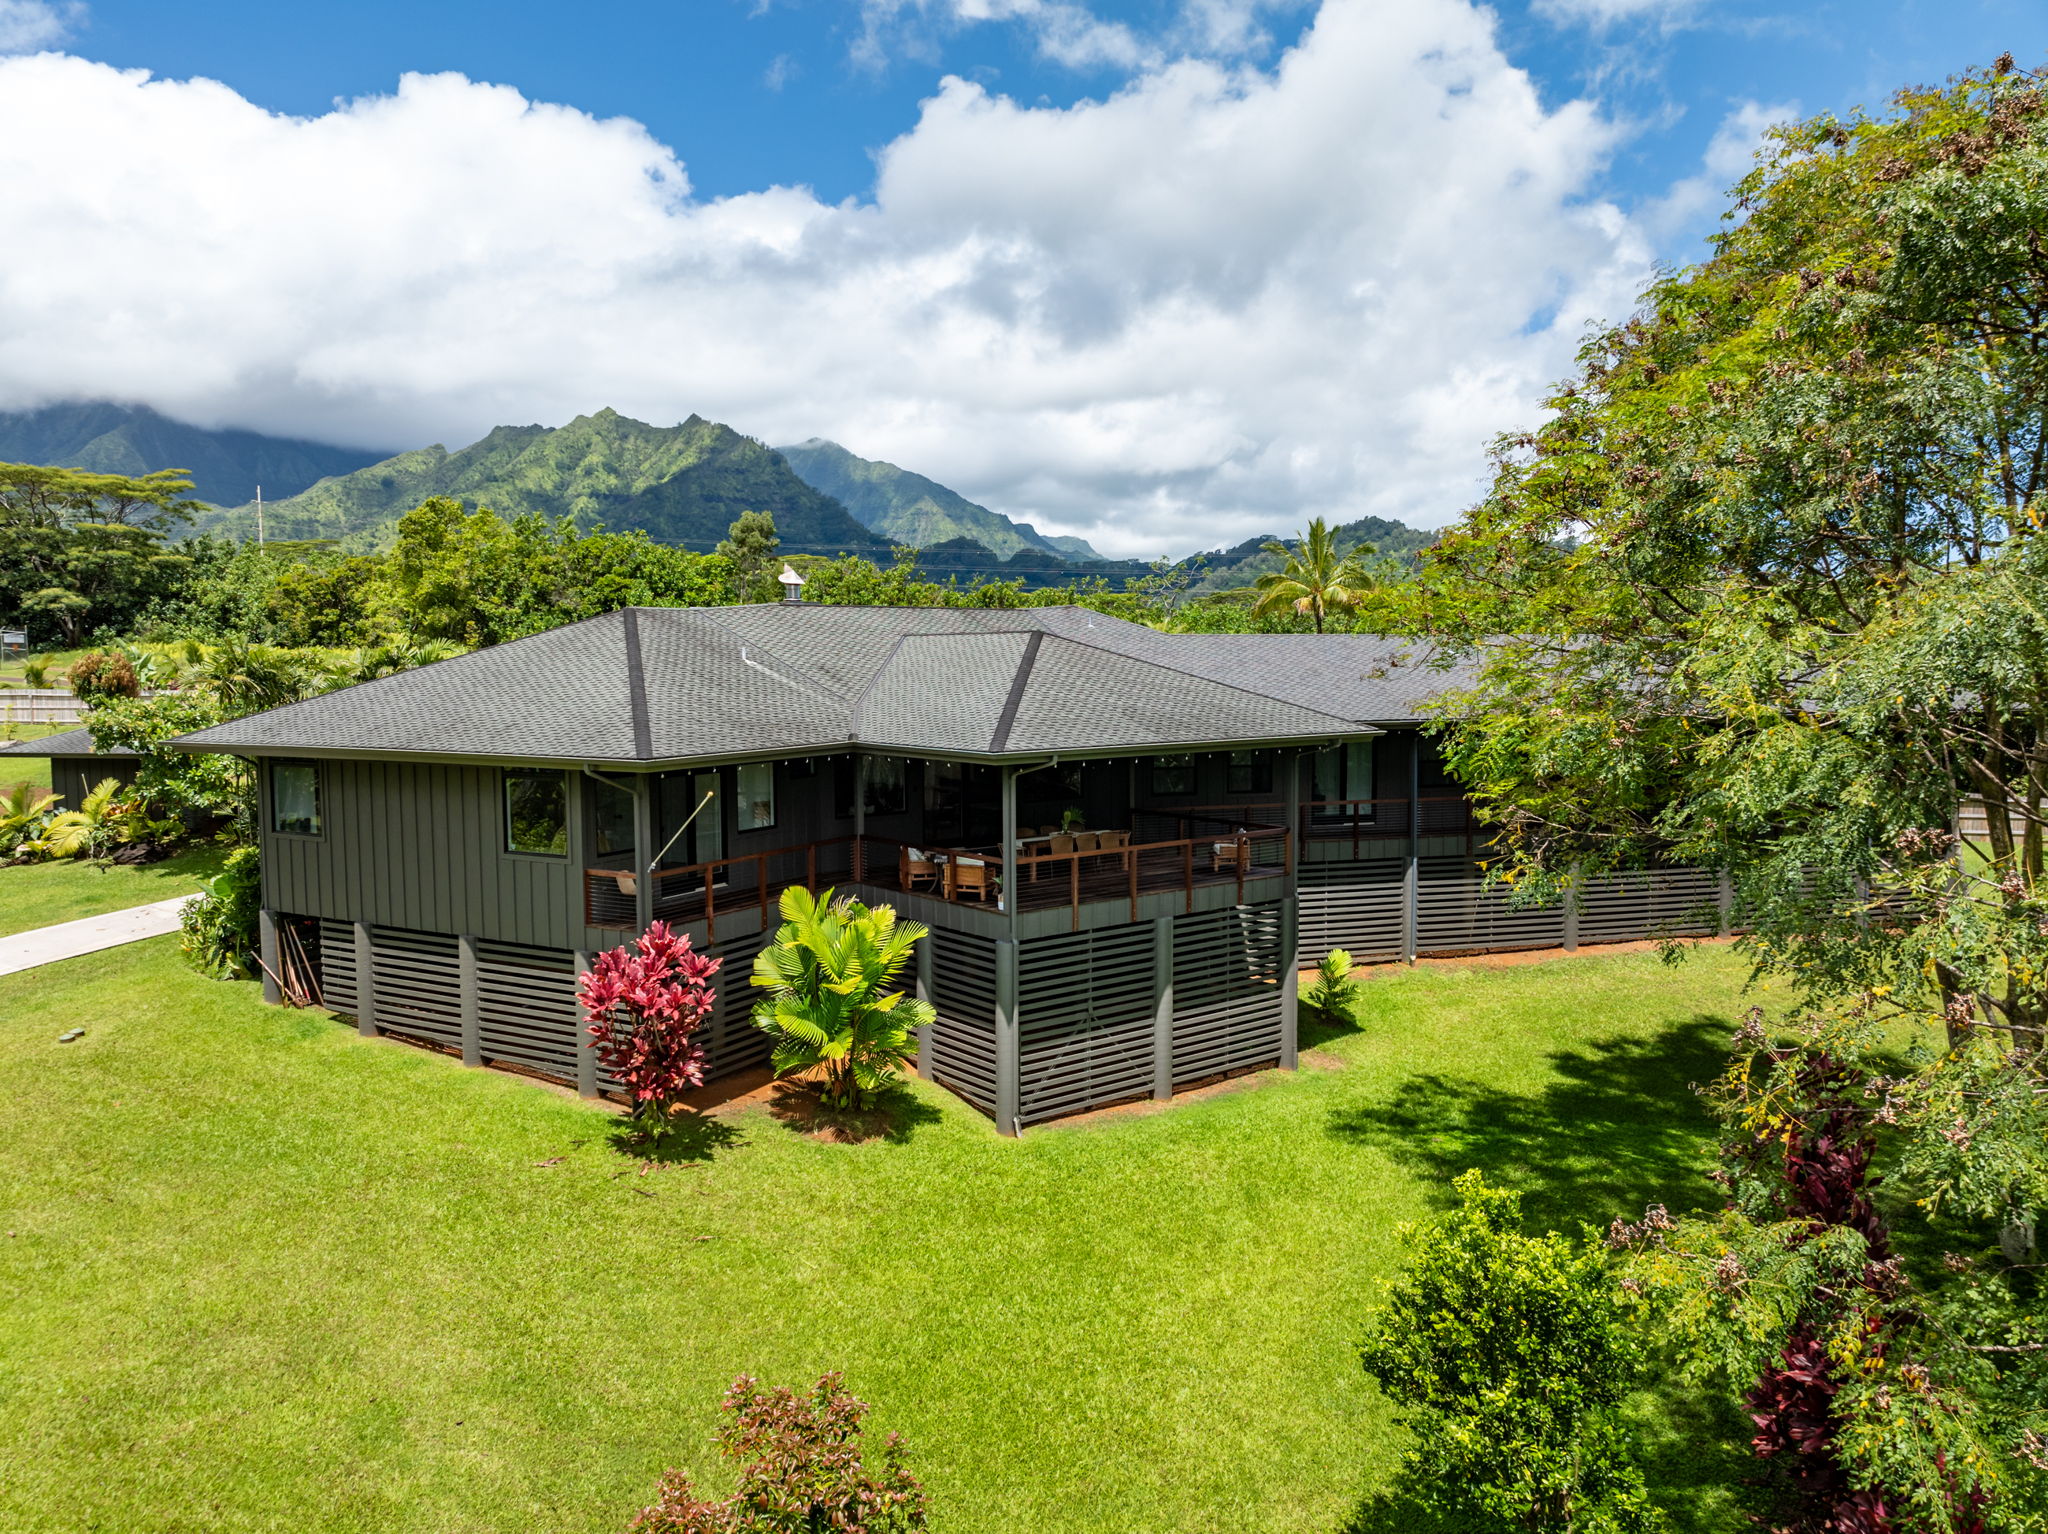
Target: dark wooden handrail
(1240, 840)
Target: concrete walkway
(89, 934)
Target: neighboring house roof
(650, 685)
(65, 743)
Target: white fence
(40, 705)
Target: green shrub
(1512, 1356)
(830, 1013)
(99, 675)
(1334, 992)
(802, 1469)
(219, 931)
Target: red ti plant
(800, 1471)
(644, 1005)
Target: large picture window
(536, 811)
(756, 795)
(1172, 775)
(295, 798)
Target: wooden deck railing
(1361, 822)
(1045, 880)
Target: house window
(295, 798)
(1173, 775)
(1344, 773)
(1251, 772)
(887, 785)
(756, 796)
(536, 811)
(611, 817)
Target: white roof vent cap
(792, 585)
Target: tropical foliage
(24, 810)
(1314, 578)
(1765, 595)
(643, 1006)
(96, 677)
(219, 930)
(829, 1008)
(102, 821)
(802, 1471)
(1335, 990)
(1512, 1355)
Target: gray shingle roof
(680, 684)
(65, 743)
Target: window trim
(505, 777)
(1259, 764)
(740, 805)
(319, 831)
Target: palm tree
(1316, 579)
(828, 1011)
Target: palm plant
(94, 827)
(1315, 580)
(21, 814)
(247, 678)
(35, 671)
(1335, 991)
(829, 1009)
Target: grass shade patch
(43, 894)
(265, 1274)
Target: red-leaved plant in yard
(801, 1471)
(644, 1005)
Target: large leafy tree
(85, 552)
(1767, 592)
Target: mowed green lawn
(43, 894)
(32, 770)
(260, 1274)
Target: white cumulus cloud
(26, 25)
(1219, 302)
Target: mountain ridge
(227, 464)
(683, 484)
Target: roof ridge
(1000, 738)
(860, 703)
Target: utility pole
(259, 516)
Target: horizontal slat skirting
(964, 997)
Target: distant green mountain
(680, 484)
(905, 507)
(1238, 566)
(967, 560)
(226, 466)
(1071, 547)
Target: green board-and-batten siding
(420, 846)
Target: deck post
(1162, 1007)
(366, 982)
(1290, 983)
(643, 852)
(1571, 912)
(466, 977)
(586, 1046)
(1010, 901)
(927, 1035)
(266, 953)
(1411, 915)
(1006, 1036)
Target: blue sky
(754, 93)
(1164, 273)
